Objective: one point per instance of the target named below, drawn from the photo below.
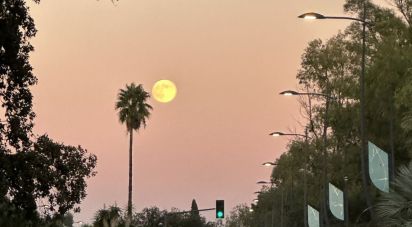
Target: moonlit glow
(164, 91)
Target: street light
(269, 164)
(328, 98)
(305, 216)
(314, 16)
(277, 134)
(273, 204)
(362, 93)
(264, 182)
(295, 93)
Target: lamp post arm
(318, 94)
(346, 18)
(294, 134)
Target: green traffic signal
(220, 209)
(219, 214)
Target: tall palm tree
(394, 209)
(133, 111)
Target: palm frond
(395, 208)
(133, 109)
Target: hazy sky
(228, 59)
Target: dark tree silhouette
(31, 168)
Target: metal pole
(305, 184)
(273, 213)
(392, 141)
(325, 163)
(362, 104)
(345, 203)
(281, 209)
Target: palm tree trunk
(129, 203)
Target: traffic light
(220, 209)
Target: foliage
(33, 168)
(394, 209)
(111, 217)
(332, 67)
(239, 216)
(133, 107)
(150, 217)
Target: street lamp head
(258, 192)
(276, 134)
(289, 93)
(312, 16)
(269, 164)
(263, 182)
(251, 210)
(255, 200)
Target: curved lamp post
(363, 21)
(264, 182)
(273, 205)
(328, 98)
(295, 93)
(314, 16)
(269, 164)
(277, 134)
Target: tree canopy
(333, 67)
(34, 170)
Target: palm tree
(133, 111)
(108, 217)
(394, 209)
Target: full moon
(164, 91)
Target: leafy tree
(33, 168)
(66, 168)
(332, 67)
(149, 217)
(133, 112)
(240, 216)
(68, 220)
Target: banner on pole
(378, 167)
(313, 217)
(336, 202)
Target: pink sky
(228, 58)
